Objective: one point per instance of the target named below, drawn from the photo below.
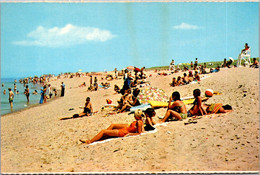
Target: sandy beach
(35, 140)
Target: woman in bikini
(203, 109)
(88, 110)
(176, 110)
(121, 130)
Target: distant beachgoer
(4, 92)
(149, 122)
(35, 92)
(90, 81)
(116, 73)
(174, 82)
(50, 91)
(185, 78)
(245, 49)
(62, 89)
(255, 63)
(88, 110)
(44, 93)
(121, 130)
(196, 63)
(191, 65)
(3, 84)
(224, 63)
(42, 96)
(82, 85)
(11, 98)
(27, 93)
(116, 88)
(196, 76)
(190, 76)
(176, 110)
(15, 87)
(55, 92)
(17, 92)
(205, 65)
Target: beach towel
(214, 108)
(143, 107)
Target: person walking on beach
(62, 89)
(196, 63)
(27, 93)
(11, 98)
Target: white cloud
(185, 26)
(66, 36)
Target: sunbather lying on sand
(121, 130)
(177, 110)
(203, 109)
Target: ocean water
(20, 100)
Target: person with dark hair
(120, 130)
(197, 104)
(11, 98)
(62, 89)
(27, 93)
(88, 110)
(255, 63)
(131, 100)
(245, 49)
(177, 109)
(149, 122)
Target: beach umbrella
(131, 67)
(152, 94)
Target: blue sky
(39, 38)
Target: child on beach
(149, 122)
(197, 108)
(121, 130)
(176, 110)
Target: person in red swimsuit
(121, 130)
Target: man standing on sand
(11, 98)
(62, 89)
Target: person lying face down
(120, 130)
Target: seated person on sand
(131, 101)
(176, 110)
(185, 79)
(149, 122)
(203, 109)
(190, 76)
(109, 77)
(174, 82)
(179, 81)
(105, 85)
(116, 88)
(121, 130)
(197, 108)
(196, 76)
(82, 85)
(88, 110)
(124, 99)
(255, 63)
(35, 92)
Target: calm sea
(20, 101)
